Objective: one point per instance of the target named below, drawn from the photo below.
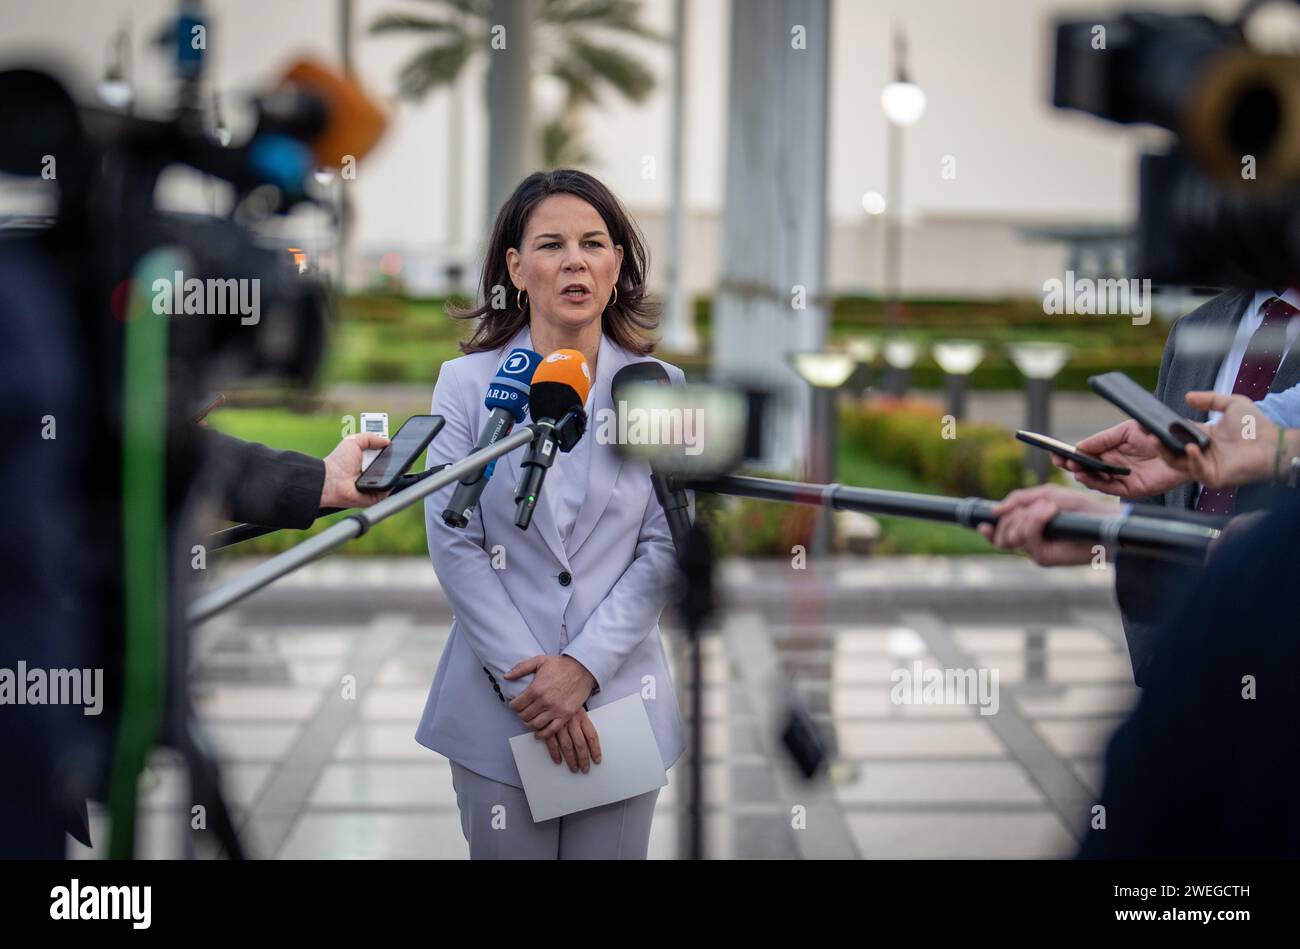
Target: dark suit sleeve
(1206, 765)
(260, 485)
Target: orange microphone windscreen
(355, 121)
(561, 376)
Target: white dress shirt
(566, 483)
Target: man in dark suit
(1239, 342)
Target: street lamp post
(1039, 363)
(826, 372)
(903, 102)
(958, 359)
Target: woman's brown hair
(629, 321)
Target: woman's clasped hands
(552, 706)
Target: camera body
(1219, 207)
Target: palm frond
(560, 149)
(469, 7)
(621, 70)
(577, 81)
(623, 16)
(434, 66)
(401, 23)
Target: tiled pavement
(313, 774)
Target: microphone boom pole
(1170, 538)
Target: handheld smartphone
(401, 453)
(377, 424)
(1069, 451)
(1160, 420)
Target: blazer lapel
(1200, 371)
(1197, 371)
(605, 462)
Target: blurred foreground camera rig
(1221, 206)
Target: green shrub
(980, 461)
(752, 528)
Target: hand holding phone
(400, 454)
(1071, 452)
(1160, 420)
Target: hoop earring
(614, 300)
(519, 303)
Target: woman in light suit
(563, 617)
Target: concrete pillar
(770, 297)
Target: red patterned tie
(1258, 367)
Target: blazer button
(565, 578)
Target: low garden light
(1039, 363)
(958, 358)
(826, 372)
(901, 356)
(864, 350)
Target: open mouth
(575, 291)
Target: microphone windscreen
(355, 121)
(560, 385)
(510, 386)
(646, 371)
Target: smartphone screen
(1047, 443)
(400, 453)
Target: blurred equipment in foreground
(157, 309)
(728, 431)
(1220, 207)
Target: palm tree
(568, 47)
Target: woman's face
(566, 263)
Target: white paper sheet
(630, 763)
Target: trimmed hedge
(980, 460)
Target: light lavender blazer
(619, 557)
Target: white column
(512, 146)
(679, 324)
(770, 296)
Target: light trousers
(499, 826)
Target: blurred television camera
(120, 318)
(1221, 206)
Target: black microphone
(672, 499)
(507, 397)
(559, 391)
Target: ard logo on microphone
(515, 364)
